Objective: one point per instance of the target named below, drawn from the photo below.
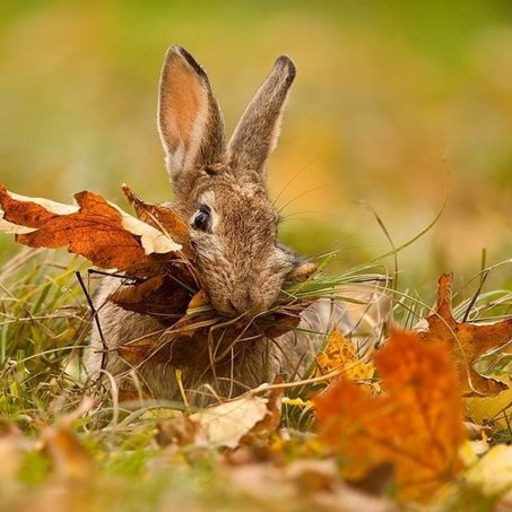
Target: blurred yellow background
(396, 105)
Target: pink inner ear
(181, 94)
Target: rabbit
(219, 188)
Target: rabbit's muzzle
(249, 301)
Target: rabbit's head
(220, 188)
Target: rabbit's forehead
(223, 197)
(235, 208)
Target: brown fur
(240, 264)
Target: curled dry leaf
(165, 293)
(301, 273)
(159, 281)
(141, 350)
(466, 341)
(199, 300)
(474, 431)
(416, 426)
(271, 421)
(242, 419)
(96, 229)
(164, 218)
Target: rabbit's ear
(189, 120)
(258, 130)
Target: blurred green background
(396, 105)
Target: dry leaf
(198, 337)
(12, 448)
(301, 485)
(301, 273)
(490, 408)
(164, 295)
(417, 426)
(466, 341)
(475, 432)
(199, 300)
(161, 217)
(180, 431)
(226, 424)
(138, 351)
(69, 458)
(136, 293)
(339, 354)
(493, 472)
(96, 229)
(271, 421)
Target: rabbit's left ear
(189, 120)
(258, 130)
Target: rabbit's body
(252, 362)
(220, 189)
(249, 368)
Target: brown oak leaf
(466, 341)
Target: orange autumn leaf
(341, 355)
(466, 341)
(161, 217)
(94, 228)
(417, 426)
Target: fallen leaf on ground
(180, 431)
(492, 474)
(490, 409)
(271, 421)
(466, 341)
(474, 431)
(12, 447)
(340, 354)
(416, 426)
(226, 424)
(69, 459)
(310, 484)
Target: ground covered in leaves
(421, 425)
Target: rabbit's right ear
(189, 120)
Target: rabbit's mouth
(247, 302)
(243, 306)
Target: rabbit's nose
(248, 301)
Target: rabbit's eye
(202, 219)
